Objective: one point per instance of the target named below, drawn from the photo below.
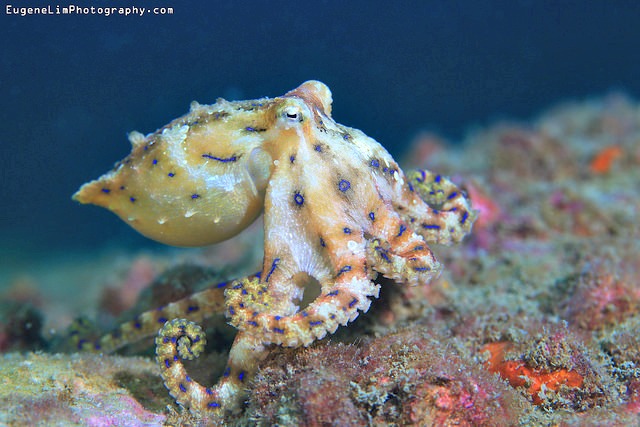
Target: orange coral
(604, 159)
(518, 374)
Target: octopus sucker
(338, 210)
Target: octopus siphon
(338, 210)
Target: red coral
(518, 374)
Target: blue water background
(73, 86)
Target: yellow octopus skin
(338, 210)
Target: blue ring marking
(315, 323)
(292, 158)
(421, 268)
(274, 264)
(375, 163)
(452, 195)
(187, 378)
(221, 285)
(276, 317)
(418, 248)
(383, 254)
(209, 392)
(195, 196)
(167, 363)
(192, 308)
(106, 190)
(411, 188)
(155, 161)
(241, 376)
(162, 320)
(344, 185)
(213, 405)
(346, 136)
(403, 228)
(322, 243)
(333, 293)
(278, 330)
(171, 174)
(182, 388)
(298, 198)
(318, 148)
(175, 358)
(220, 159)
(132, 199)
(353, 302)
(252, 323)
(346, 230)
(464, 217)
(372, 216)
(231, 311)
(226, 372)
(437, 179)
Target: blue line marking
(220, 159)
(273, 267)
(431, 226)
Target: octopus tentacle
(448, 212)
(181, 339)
(249, 310)
(195, 307)
(398, 252)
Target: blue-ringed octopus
(338, 211)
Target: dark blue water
(73, 86)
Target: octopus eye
(292, 114)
